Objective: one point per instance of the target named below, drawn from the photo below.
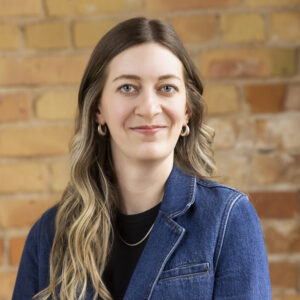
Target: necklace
(139, 242)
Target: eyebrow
(135, 77)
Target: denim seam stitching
(164, 261)
(183, 276)
(191, 199)
(213, 185)
(224, 228)
(186, 265)
(189, 274)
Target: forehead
(149, 60)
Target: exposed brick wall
(248, 54)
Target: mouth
(148, 130)
(149, 127)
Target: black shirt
(124, 258)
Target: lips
(148, 127)
(148, 130)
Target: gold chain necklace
(139, 242)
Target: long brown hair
(84, 235)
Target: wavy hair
(84, 220)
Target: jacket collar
(179, 193)
(165, 236)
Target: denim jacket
(206, 243)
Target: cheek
(118, 114)
(176, 113)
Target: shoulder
(227, 199)
(219, 206)
(216, 187)
(50, 214)
(34, 264)
(219, 195)
(43, 229)
(229, 215)
(47, 219)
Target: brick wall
(248, 55)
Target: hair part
(84, 220)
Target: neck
(142, 184)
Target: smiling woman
(140, 218)
(144, 109)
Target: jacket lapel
(165, 236)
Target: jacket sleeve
(241, 268)
(26, 285)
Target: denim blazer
(206, 243)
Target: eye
(169, 89)
(127, 89)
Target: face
(143, 103)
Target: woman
(139, 218)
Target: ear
(187, 114)
(99, 118)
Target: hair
(84, 220)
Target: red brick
(9, 36)
(47, 35)
(277, 205)
(285, 26)
(241, 28)
(272, 3)
(60, 175)
(91, 7)
(268, 167)
(287, 297)
(246, 134)
(16, 246)
(295, 240)
(195, 29)
(33, 141)
(280, 239)
(292, 101)
(280, 133)
(56, 105)
(169, 5)
(289, 131)
(275, 241)
(20, 8)
(284, 274)
(15, 107)
(221, 99)
(233, 169)
(22, 176)
(42, 70)
(88, 33)
(265, 98)
(247, 62)
(266, 138)
(225, 133)
(292, 174)
(20, 213)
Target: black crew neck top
(123, 258)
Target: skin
(143, 158)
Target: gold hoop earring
(185, 130)
(102, 131)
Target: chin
(153, 154)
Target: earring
(102, 131)
(186, 130)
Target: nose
(148, 104)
